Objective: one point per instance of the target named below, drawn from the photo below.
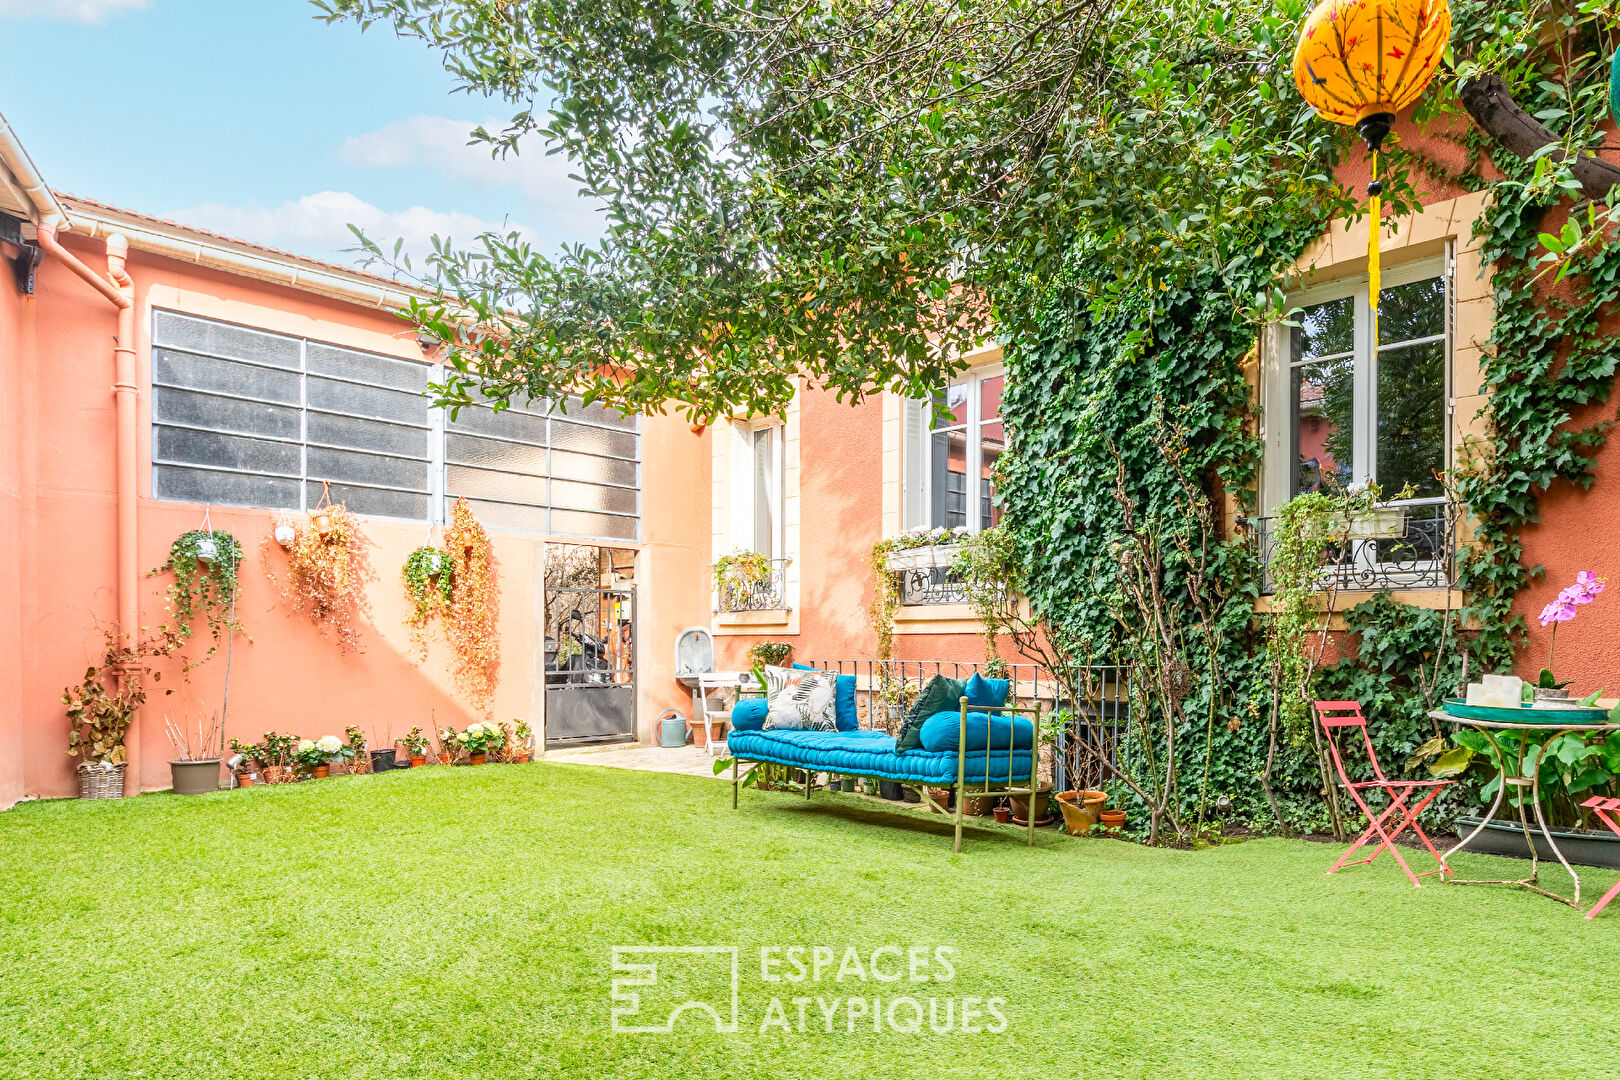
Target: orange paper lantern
(1362, 61)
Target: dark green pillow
(942, 694)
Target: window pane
(991, 444)
(398, 504)
(484, 484)
(353, 433)
(1412, 311)
(566, 466)
(494, 454)
(592, 440)
(223, 339)
(990, 398)
(368, 367)
(224, 376)
(390, 472)
(947, 479)
(231, 489)
(950, 406)
(1326, 329)
(598, 414)
(226, 451)
(574, 523)
(352, 400)
(223, 413)
(1411, 418)
(764, 493)
(611, 500)
(1323, 427)
(506, 424)
(497, 515)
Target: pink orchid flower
(1560, 610)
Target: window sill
(768, 617)
(936, 619)
(1432, 599)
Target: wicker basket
(102, 782)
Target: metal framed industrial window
(245, 417)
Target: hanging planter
(475, 597)
(326, 573)
(428, 586)
(204, 563)
(283, 531)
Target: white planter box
(1384, 523)
(924, 558)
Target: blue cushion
(872, 753)
(941, 731)
(983, 693)
(843, 700)
(749, 714)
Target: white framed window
(1340, 412)
(952, 443)
(756, 488)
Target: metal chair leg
(959, 801)
(734, 783)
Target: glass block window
(250, 418)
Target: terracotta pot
(1020, 806)
(321, 772)
(418, 760)
(1003, 815)
(522, 758)
(1113, 821)
(939, 800)
(980, 805)
(444, 757)
(245, 781)
(278, 774)
(1080, 810)
(476, 759)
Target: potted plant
(195, 769)
(1585, 590)
(416, 747)
(520, 742)
(278, 755)
(245, 763)
(1020, 805)
(479, 739)
(204, 563)
(926, 549)
(99, 717)
(1080, 810)
(449, 745)
(315, 755)
(1112, 820)
(770, 653)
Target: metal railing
(1423, 558)
(886, 689)
(931, 585)
(769, 594)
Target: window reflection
(1411, 444)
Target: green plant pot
(195, 777)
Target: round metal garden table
(1519, 780)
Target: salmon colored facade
(59, 533)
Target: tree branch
(1516, 131)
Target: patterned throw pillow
(805, 702)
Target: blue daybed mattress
(872, 753)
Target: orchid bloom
(1560, 610)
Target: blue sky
(252, 118)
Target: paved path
(686, 760)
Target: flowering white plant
(480, 738)
(310, 753)
(926, 537)
(329, 744)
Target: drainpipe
(119, 289)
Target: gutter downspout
(120, 291)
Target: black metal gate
(590, 665)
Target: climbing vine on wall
(475, 608)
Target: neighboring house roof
(233, 255)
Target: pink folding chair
(1334, 715)
(1604, 808)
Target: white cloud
(440, 144)
(84, 11)
(318, 225)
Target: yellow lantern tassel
(1374, 227)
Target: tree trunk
(1516, 131)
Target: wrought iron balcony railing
(931, 585)
(1423, 556)
(769, 594)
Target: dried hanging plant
(427, 576)
(475, 604)
(326, 572)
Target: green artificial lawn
(461, 922)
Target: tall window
(757, 489)
(951, 458)
(249, 418)
(1359, 416)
